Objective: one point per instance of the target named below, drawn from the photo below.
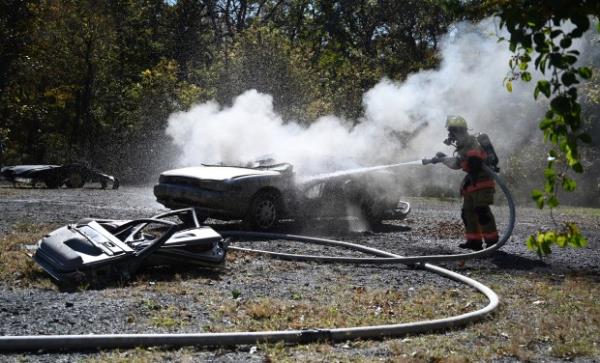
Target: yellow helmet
(455, 121)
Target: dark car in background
(55, 176)
(264, 193)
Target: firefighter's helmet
(456, 122)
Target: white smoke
(468, 82)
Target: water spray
(315, 179)
(86, 342)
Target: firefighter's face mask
(454, 135)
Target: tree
(537, 30)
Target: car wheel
(75, 180)
(264, 210)
(52, 183)
(370, 216)
(363, 208)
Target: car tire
(264, 211)
(369, 215)
(75, 180)
(52, 183)
(364, 210)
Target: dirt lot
(550, 309)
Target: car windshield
(262, 162)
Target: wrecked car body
(265, 193)
(55, 176)
(104, 249)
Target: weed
(170, 317)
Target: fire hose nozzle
(427, 161)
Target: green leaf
(561, 241)
(540, 203)
(569, 59)
(545, 247)
(549, 173)
(531, 243)
(569, 184)
(582, 22)
(544, 87)
(523, 66)
(577, 167)
(568, 78)
(566, 42)
(556, 60)
(549, 186)
(561, 104)
(526, 76)
(509, 86)
(539, 39)
(584, 72)
(537, 194)
(553, 202)
(546, 123)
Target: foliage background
(94, 81)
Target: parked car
(101, 249)
(267, 192)
(55, 176)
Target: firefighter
(477, 188)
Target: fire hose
(86, 342)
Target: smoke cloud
(468, 82)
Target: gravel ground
(432, 228)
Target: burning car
(101, 249)
(266, 192)
(55, 176)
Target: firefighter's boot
(472, 244)
(490, 242)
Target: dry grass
(140, 355)
(340, 307)
(16, 268)
(541, 317)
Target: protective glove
(438, 158)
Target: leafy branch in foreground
(537, 29)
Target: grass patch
(141, 355)
(341, 307)
(168, 317)
(16, 268)
(540, 318)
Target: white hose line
(381, 261)
(86, 342)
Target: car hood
(18, 169)
(217, 172)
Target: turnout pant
(477, 216)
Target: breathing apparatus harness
(483, 140)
